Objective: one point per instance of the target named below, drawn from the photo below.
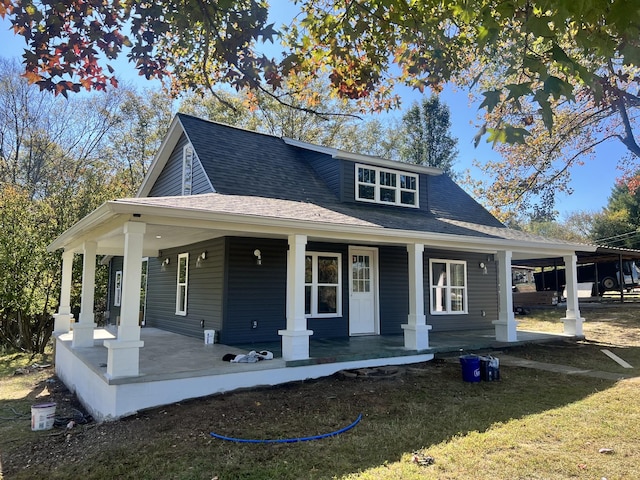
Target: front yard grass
(530, 425)
(615, 328)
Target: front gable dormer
(369, 180)
(386, 186)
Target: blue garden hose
(289, 440)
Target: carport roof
(602, 254)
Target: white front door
(363, 287)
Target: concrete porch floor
(169, 356)
(175, 367)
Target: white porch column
(295, 339)
(506, 323)
(62, 322)
(123, 358)
(83, 329)
(416, 331)
(572, 320)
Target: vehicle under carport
(598, 273)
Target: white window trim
(117, 289)
(448, 287)
(187, 166)
(184, 284)
(377, 186)
(314, 285)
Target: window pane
(327, 299)
(457, 275)
(457, 300)
(366, 175)
(182, 290)
(388, 179)
(387, 195)
(366, 192)
(439, 272)
(182, 270)
(307, 300)
(327, 270)
(408, 198)
(407, 182)
(308, 269)
(439, 300)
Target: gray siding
(254, 293)
(482, 291)
(229, 292)
(258, 292)
(328, 169)
(169, 183)
(205, 290)
(394, 289)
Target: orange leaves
(6, 8)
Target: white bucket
(209, 337)
(43, 416)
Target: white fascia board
(98, 217)
(162, 157)
(359, 157)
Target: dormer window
(389, 187)
(187, 169)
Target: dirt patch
(76, 437)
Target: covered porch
(175, 367)
(130, 368)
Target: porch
(175, 367)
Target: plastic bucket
(209, 337)
(470, 368)
(43, 416)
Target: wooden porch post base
(416, 337)
(573, 326)
(123, 358)
(62, 323)
(83, 334)
(506, 330)
(295, 344)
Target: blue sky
(592, 182)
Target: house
(269, 240)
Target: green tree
(427, 136)
(57, 164)
(137, 129)
(28, 284)
(299, 117)
(619, 223)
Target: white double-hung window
(385, 186)
(448, 284)
(322, 284)
(182, 283)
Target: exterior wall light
(201, 257)
(483, 267)
(258, 256)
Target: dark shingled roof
(270, 178)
